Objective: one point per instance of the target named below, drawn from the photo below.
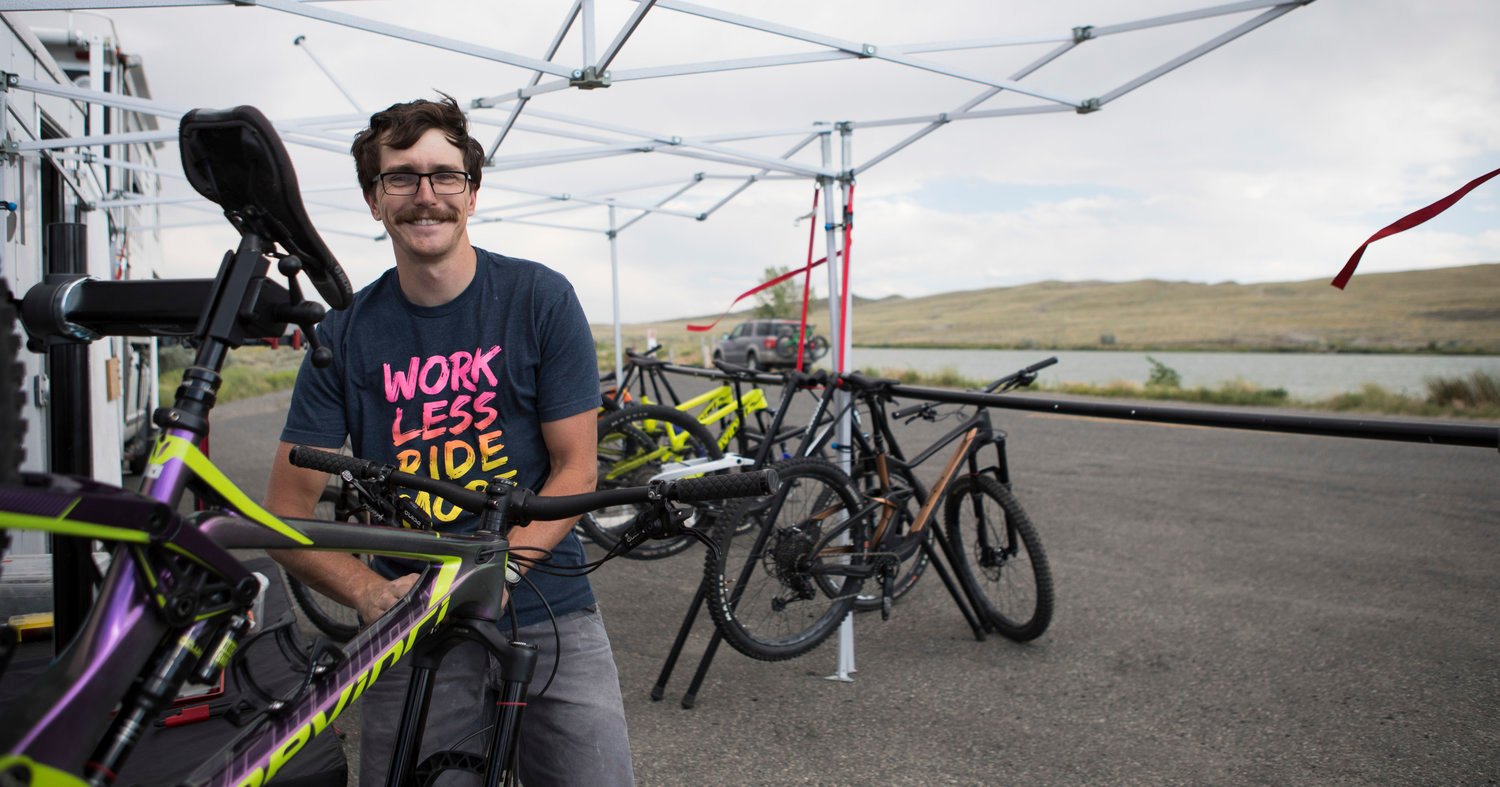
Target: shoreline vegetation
(253, 371)
(1442, 311)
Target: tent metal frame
(599, 138)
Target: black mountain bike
(779, 587)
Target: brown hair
(401, 125)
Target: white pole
(301, 43)
(588, 32)
(95, 110)
(845, 666)
(614, 276)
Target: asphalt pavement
(1233, 607)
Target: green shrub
(1162, 375)
(1479, 389)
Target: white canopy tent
(595, 50)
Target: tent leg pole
(614, 278)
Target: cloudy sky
(1269, 159)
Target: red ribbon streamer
(757, 288)
(1406, 223)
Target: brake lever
(391, 508)
(662, 520)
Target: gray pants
(575, 734)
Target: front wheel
(338, 622)
(999, 557)
(780, 584)
(636, 444)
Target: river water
(1303, 375)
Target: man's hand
(377, 597)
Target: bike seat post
(658, 381)
(218, 332)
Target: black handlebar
(1009, 381)
(522, 505)
(1027, 375)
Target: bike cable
(556, 634)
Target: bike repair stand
(690, 697)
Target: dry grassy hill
(1443, 310)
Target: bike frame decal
(443, 584)
(72, 527)
(173, 447)
(292, 743)
(41, 775)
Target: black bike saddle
(235, 158)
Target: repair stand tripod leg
(959, 596)
(682, 634)
(691, 697)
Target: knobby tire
(338, 622)
(1009, 577)
(634, 444)
(760, 592)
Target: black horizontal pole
(1382, 429)
(715, 374)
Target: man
(462, 364)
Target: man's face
(424, 227)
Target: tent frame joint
(589, 78)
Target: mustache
(417, 214)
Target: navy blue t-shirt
(458, 392)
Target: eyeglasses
(405, 184)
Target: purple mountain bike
(174, 603)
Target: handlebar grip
(909, 411)
(1040, 365)
(329, 462)
(719, 487)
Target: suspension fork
(1001, 471)
(517, 666)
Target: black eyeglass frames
(405, 184)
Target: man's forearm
(338, 576)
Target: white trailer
(77, 198)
